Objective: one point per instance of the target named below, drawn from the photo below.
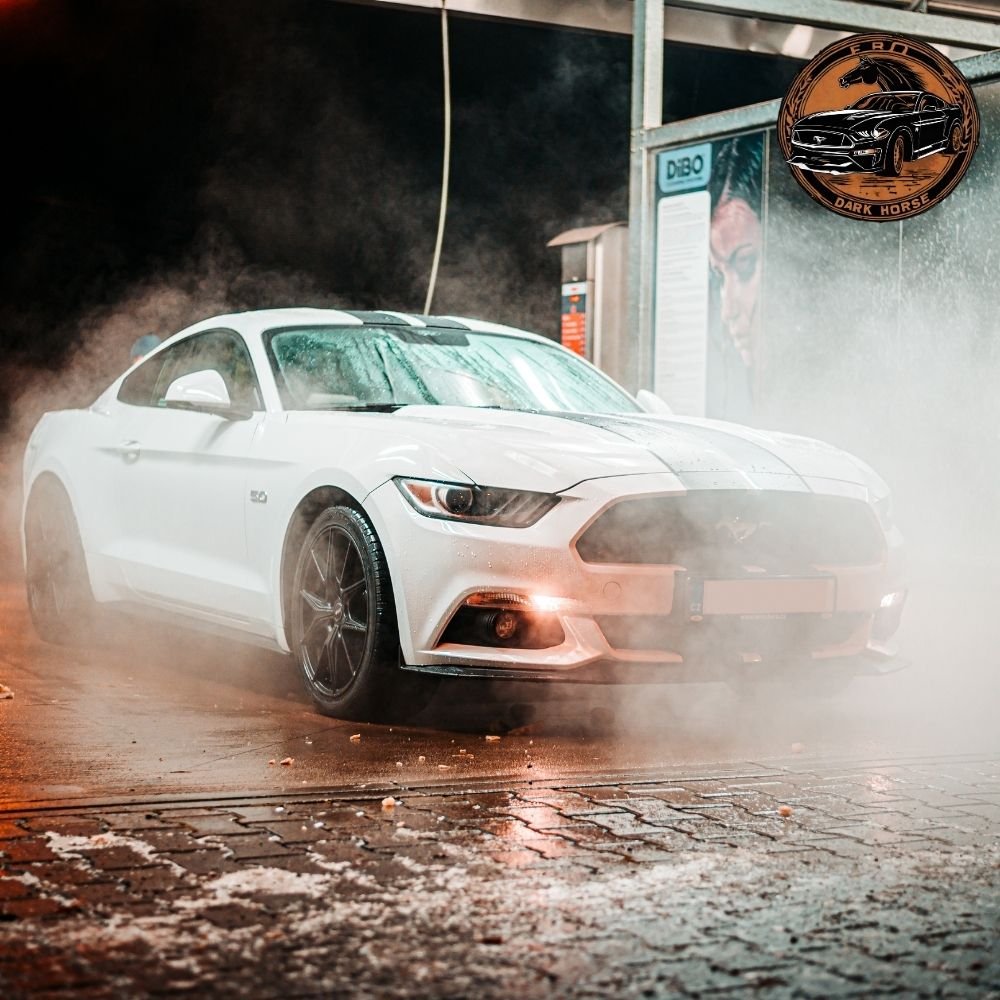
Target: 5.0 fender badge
(879, 127)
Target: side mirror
(652, 403)
(204, 388)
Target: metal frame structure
(649, 135)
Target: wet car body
(861, 138)
(378, 539)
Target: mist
(301, 174)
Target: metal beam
(795, 28)
(845, 15)
(975, 69)
(647, 91)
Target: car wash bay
(175, 817)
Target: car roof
(256, 322)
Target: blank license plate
(809, 595)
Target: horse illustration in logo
(889, 74)
(883, 130)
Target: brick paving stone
(111, 859)
(151, 879)
(257, 845)
(74, 827)
(515, 859)
(25, 851)
(232, 916)
(24, 909)
(291, 831)
(223, 824)
(624, 824)
(539, 817)
(337, 851)
(299, 863)
(12, 888)
(209, 861)
(172, 840)
(136, 820)
(11, 831)
(598, 793)
(541, 892)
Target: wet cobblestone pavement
(794, 878)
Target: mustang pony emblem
(737, 529)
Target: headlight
(872, 133)
(476, 504)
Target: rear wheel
(62, 605)
(343, 622)
(955, 138)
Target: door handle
(129, 451)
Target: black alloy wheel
(60, 601)
(343, 621)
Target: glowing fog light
(504, 625)
(891, 600)
(888, 616)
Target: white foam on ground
(71, 846)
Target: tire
(61, 603)
(955, 139)
(895, 156)
(343, 623)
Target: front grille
(771, 638)
(820, 137)
(722, 532)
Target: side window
(932, 104)
(219, 350)
(138, 387)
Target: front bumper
(872, 662)
(619, 622)
(837, 160)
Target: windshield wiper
(368, 407)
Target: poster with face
(709, 261)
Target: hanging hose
(447, 157)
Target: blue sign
(686, 169)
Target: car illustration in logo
(854, 153)
(878, 134)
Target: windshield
(887, 102)
(328, 368)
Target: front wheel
(895, 156)
(343, 619)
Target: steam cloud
(888, 352)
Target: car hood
(847, 118)
(555, 451)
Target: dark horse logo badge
(879, 127)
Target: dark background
(167, 159)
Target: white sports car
(391, 497)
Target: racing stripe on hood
(699, 456)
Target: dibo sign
(684, 169)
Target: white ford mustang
(391, 497)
